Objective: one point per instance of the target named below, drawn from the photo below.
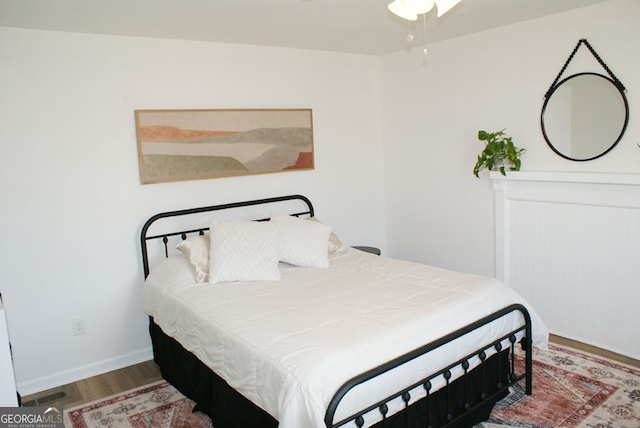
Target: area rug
(572, 389)
(157, 405)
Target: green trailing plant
(499, 153)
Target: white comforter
(289, 345)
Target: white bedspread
(289, 345)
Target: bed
(332, 336)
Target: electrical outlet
(77, 326)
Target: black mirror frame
(549, 96)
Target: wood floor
(117, 381)
(593, 350)
(94, 388)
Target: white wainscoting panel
(570, 244)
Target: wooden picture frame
(178, 145)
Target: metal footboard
(426, 383)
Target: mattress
(288, 345)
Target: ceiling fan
(410, 9)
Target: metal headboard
(145, 238)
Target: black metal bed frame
(144, 239)
(481, 353)
(473, 400)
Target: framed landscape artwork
(177, 145)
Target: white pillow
(301, 242)
(196, 250)
(243, 251)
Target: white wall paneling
(570, 244)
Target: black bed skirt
(229, 409)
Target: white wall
(437, 211)
(72, 202)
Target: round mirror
(584, 116)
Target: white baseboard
(94, 369)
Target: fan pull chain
(424, 31)
(409, 33)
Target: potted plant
(499, 153)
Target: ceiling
(355, 26)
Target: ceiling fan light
(418, 6)
(445, 6)
(398, 8)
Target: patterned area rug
(572, 389)
(157, 405)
